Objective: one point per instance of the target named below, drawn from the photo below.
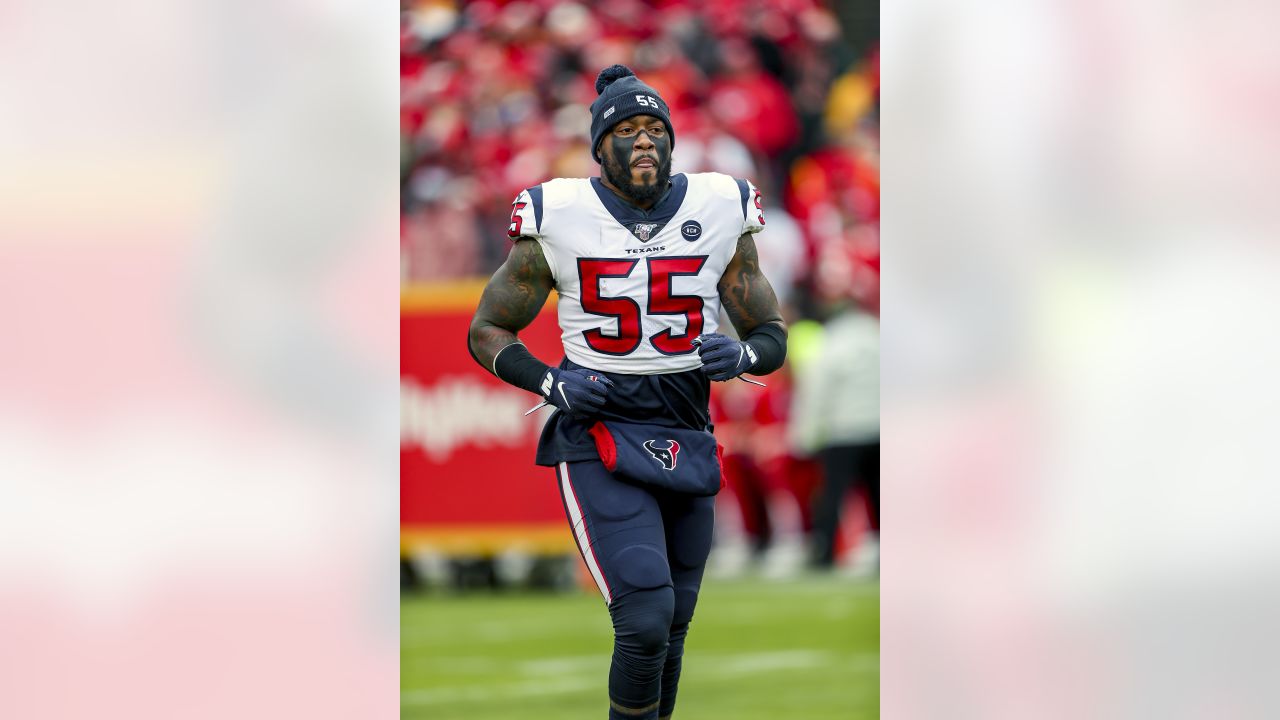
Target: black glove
(576, 391)
(724, 358)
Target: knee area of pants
(642, 621)
(686, 599)
(642, 567)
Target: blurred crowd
(494, 99)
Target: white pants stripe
(580, 532)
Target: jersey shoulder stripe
(745, 192)
(535, 198)
(529, 209)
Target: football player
(643, 262)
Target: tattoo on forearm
(746, 294)
(512, 299)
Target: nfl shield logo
(643, 230)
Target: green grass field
(802, 650)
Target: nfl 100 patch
(644, 231)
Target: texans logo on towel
(666, 455)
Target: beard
(618, 170)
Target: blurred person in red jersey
(834, 191)
(753, 104)
(764, 512)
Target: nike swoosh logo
(560, 387)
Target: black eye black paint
(618, 169)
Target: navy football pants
(646, 550)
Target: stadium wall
(468, 485)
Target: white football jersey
(636, 287)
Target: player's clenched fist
(576, 391)
(724, 358)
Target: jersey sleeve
(752, 207)
(526, 214)
(526, 222)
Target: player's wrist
(515, 365)
(769, 345)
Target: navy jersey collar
(661, 212)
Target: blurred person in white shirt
(836, 416)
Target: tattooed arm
(752, 307)
(511, 300)
(746, 294)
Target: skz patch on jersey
(691, 230)
(666, 455)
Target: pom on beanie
(608, 75)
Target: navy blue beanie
(622, 95)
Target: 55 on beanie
(622, 95)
